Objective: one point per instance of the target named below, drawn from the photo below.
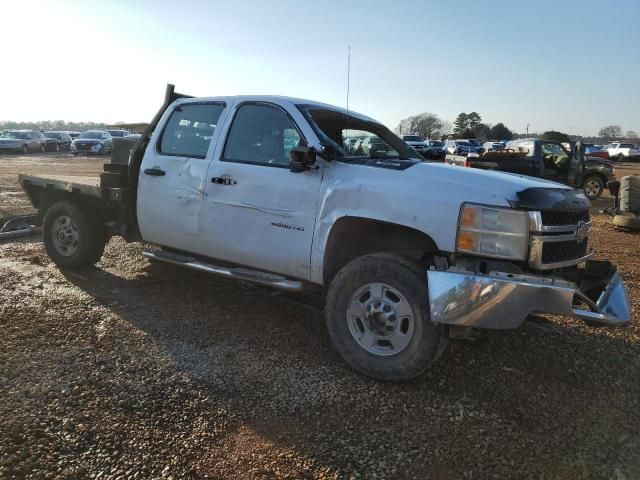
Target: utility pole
(527, 130)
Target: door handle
(223, 181)
(155, 172)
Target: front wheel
(593, 187)
(73, 238)
(378, 317)
(620, 157)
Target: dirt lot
(139, 370)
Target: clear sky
(564, 65)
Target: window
(263, 135)
(189, 130)
(555, 157)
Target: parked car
(596, 151)
(24, 141)
(493, 146)
(417, 143)
(408, 252)
(62, 140)
(544, 159)
(98, 142)
(436, 150)
(374, 146)
(623, 151)
(118, 133)
(462, 147)
(73, 134)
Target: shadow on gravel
(552, 399)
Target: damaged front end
(479, 292)
(496, 300)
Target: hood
(500, 185)
(87, 140)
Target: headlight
(493, 232)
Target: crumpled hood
(498, 184)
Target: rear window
(189, 130)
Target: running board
(245, 274)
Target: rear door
(173, 175)
(257, 212)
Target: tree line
(469, 125)
(47, 125)
(466, 125)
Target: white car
(623, 151)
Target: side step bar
(245, 274)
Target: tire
(620, 157)
(593, 186)
(43, 148)
(84, 237)
(25, 149)
(57, 149)
(403, 288)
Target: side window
(263, 135)
(189, 130)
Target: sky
(565, 65)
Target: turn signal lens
(466, 241)
(468, 217)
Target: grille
(571, 217)
(554, 252)
(83, 146)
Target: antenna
(348, 75)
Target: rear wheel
(73, 238)
(593, 187)
(378, 317)
(620, 157)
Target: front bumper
(503, 300)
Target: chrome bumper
(503, 301)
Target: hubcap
(65, 236)
(380, 319)
(592, 188)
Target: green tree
(460, 125)
(555, 136)
(482, 132)
(500, 132)
(611, 132)
(466, 125)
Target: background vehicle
(461, 147)
(596, 151)
(24, 141)
(73, 134)
(118, 133)
(545, 159)
(623, 151)
(98, 142)
(493, 146)
(417, 143)
(62, 140)
(408, 251)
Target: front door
(173, 176)
(556, 161)
(257, 212)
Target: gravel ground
(140, 370)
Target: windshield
(464, 144)
(356, 138)
(94, 135)
(475, 143)
(436, 143)
(15, 135)
(413, 138)
(116, 133)
(51, 135)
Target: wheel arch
(351, 237)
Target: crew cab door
(257, 212)
(173, 175)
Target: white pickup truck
(623, 151)
(409, 253)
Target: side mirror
(302, 159)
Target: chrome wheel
(592, 188)
(65, 236)
(380, 319)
